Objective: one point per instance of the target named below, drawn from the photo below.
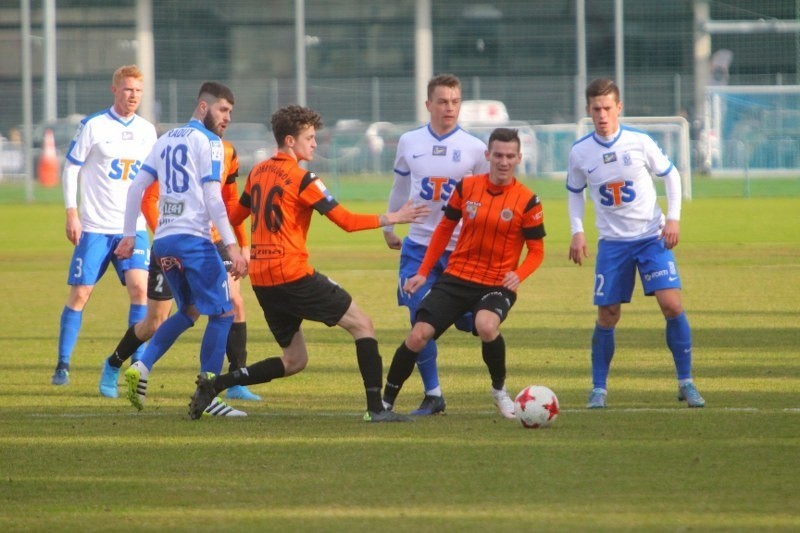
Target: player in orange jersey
(159, 295)
(499, 216)
(280, 197)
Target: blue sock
(426, 364)
(212, 349)
(679, 340)
(68, 333)
(602, 354)
(165, 336)
(136, 314)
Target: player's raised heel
(203, 395)
(136, 390)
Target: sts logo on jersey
(616, 193)
(124, 169)
(437, 188)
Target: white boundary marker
(634, 410)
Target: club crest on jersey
(440, 150)
(456, 156)
(472, 208)
(506, 214)
(610, 157)
(127, 135)
(626, 159)
(170, 262)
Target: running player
(280, 197)
(499, 216)
(159, 295)
(430, 162)
(187, 161)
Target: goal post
(670, 132)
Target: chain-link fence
(360, 65)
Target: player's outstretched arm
(406, 214)
(349, 221)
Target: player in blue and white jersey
(101, 162)
(617, 165)
(188, 163)
(430, 161)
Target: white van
(483, 112)
(480, 117)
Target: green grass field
(304, 460)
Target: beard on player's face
(212, 125)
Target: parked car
(483, 112)
(342, 148)
(64, 130)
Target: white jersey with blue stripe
(618, 173)
(426, 170)
(109, 150)
(182, 160)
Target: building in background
(360, 54)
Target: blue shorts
(95, 251)
(618, 261)
(195, 273)
(411, 256)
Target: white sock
(434, 392)
(143, 371)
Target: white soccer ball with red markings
(536, 407)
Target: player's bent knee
(419, 336)
(294, 363)
(487, 334)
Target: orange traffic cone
(48, 161)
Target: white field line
(634, 410)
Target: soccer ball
(536, 407)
